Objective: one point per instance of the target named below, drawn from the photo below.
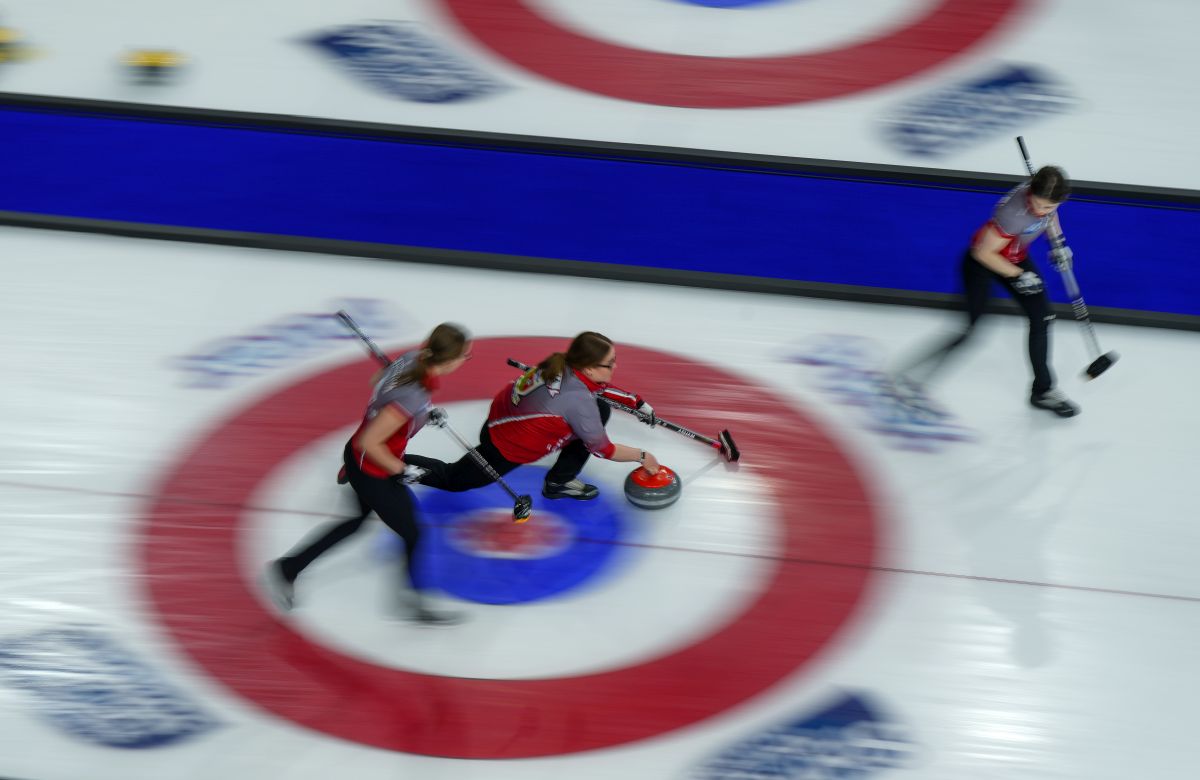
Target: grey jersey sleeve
(583, 415)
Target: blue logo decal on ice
(399, 59)
(951, 118)
(472, 549)
(91, 688)
(849, 740)
(286, 340)
(850, 373)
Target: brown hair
(1050, 182)
(587, 349)
(446, 342)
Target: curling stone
(12, 47)
(153, 66)
(656, 491)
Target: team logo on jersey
(399, 59)
(531, 380)
(491, 533)
(953, 118)
(93, 689)
(1036, 227)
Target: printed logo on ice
(850, 370)
(400, 60)
(286, 340)
(849, 740)
(90, 687)
(952, 118)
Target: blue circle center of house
(472, 549)
(728, 3)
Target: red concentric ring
(516, 32)
(191, 548)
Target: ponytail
(587, 349)
(552, 367)
(446, 342)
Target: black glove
(437, 417)
(647, 410)
(1028, 283)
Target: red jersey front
(412, 399)
(1013, 218)
(532, 418)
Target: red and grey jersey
(409, 398)
(531, 417)
(1014, 220)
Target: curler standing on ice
(999, 253)
(377, 467)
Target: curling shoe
(425, 616)
(281, 589)
(416, 608)
(576, 488)
(1055, 401)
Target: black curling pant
(395, 505)
(466, 474)
(574, 456)
(977, 283)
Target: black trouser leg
(571, 458)
(395, 506)
(464, 473)
(976, 281)
(326, 537)
(1037, 311)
